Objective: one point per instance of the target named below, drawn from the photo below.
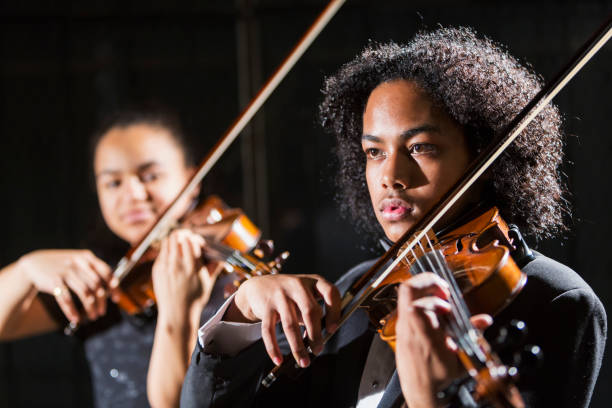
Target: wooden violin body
(477, 253)
(226, 231)
(482, 265)
(478, 256)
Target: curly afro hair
(480, 86)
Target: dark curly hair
(480, 86)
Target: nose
(134, 189)
(395, 172)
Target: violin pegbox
(523, 359)
(520, 363)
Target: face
(415, 152)
(139, 171)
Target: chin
(134, 234)
(396, 230)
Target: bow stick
(162, 225)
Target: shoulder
(553, 275)
(557, 299)
(567, 320)
(558, 284)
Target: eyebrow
(142, 167)
(405, 135)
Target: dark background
(64, 63)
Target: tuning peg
(282, 257)
(276, 265)
(528, 360)
(264, 248)
(280, 260)
(510, 336)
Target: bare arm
(182, 288)
(22, 314)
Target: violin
(235, 239)
(478, 255)
(136, 291)
(231, 238)
(475, 259)
(237, 242)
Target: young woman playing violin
(408, 120)
(140, 164)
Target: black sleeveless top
(118, 346)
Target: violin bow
(161, 225)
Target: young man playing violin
(408, 120)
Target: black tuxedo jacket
(563, 315)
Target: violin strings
(440, 272)
(457, 299)
(417, 260)
(225, 251)
(452, 327)
(248, 264)
(477, 353)
(453, 324)
(232, 256)
(455, 290)
(461, 324)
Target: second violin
(231, 238)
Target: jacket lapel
(392, 398)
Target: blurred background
(64, 64)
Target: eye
(373, 153)
(422, 148)
(149, 177)
(111, 184)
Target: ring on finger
(58, 291)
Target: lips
(395, 209)
(137, 216)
